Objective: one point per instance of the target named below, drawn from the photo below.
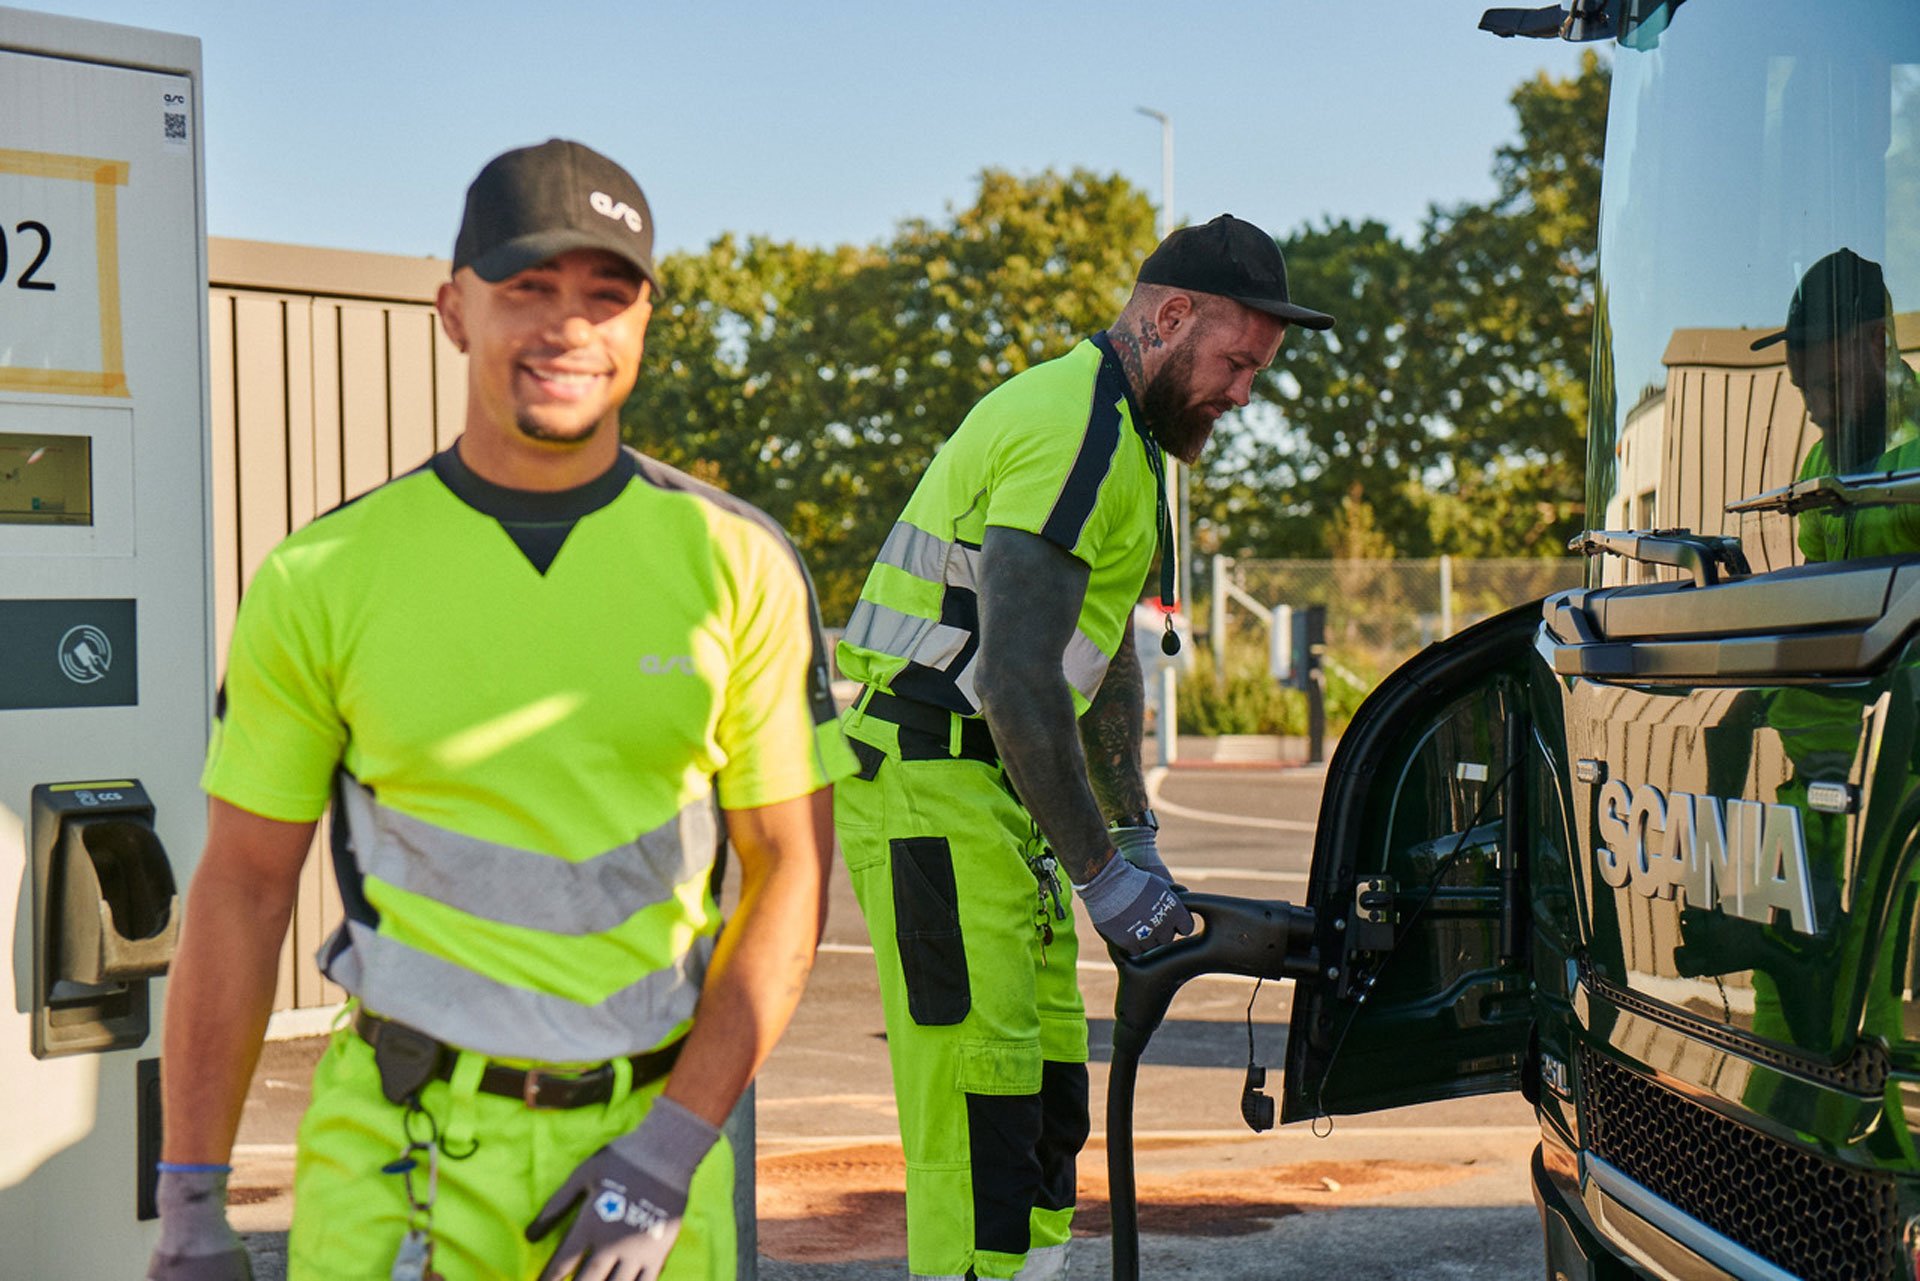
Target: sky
(357, 125)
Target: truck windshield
(1759, 293)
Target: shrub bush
(1250, 701)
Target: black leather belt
(926, 731)
(535, 1087)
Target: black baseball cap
(532, 203)
(1838, 293)
(1234, 259)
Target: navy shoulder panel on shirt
(653, 472)
(663, 476)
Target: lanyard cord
(1163, 534)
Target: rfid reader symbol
(85, 654)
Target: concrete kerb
(1210, 751)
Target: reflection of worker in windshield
(1843, 355)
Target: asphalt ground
(1436, 1191)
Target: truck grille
(1819, 1220)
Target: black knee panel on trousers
(1064, 1127)
(1003, 1132)
(1022, 1149)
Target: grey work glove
(196, 1242)
(1133, 909)
(1140, 846)
(635, 1192)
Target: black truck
(1646, 851)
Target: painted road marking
(1186, 873)
(1163, 806)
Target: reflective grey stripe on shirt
(469, 1010)
(926, 641)
(931, 558)
(1084, 664)
(521, 887)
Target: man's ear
(1174, 315)
(447, 302)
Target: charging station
(106, 653)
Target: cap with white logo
(532, 203)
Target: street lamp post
(1179, 487)
(1167, 731)
(1166, 167)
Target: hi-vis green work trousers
(985, 1026)
(500, 1162)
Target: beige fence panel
(330, 376)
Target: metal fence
(1379, 612)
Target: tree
(1449, 403)
(1356, 414)
(1452, 392)
(817, 384)
(1516, 283)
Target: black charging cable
(1256, 1106)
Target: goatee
(533, 429)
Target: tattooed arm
(1030, 597)
(1110, 731)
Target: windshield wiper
(1873, 489)
(1702, 555)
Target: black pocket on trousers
(870, 758)
(926, 927)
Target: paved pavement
(1438, 1191)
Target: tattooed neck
(1131, 349)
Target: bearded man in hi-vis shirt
(997, 616)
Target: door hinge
(1375, 916)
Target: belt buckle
(530, 1088)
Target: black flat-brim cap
(1234, 259)
(533, 203)
(1837, 294)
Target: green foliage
(1451, 396)
(1249, 701)
(1347, 687)
(1445, 413)
(1358, 412)
(817, 383)
(1519, 288)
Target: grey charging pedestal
(106, 646)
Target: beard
(1181, 427)
(533, 429)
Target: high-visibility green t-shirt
(1056, 451)
(523, 706)
(1854, 533)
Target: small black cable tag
(1256, 1108)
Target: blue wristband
(191, 1167)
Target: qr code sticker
(176, 125)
